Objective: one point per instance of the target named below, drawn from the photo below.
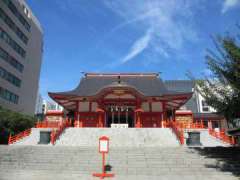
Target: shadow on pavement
(227, 159)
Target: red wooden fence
(57, 132)
(178, 131)
(48, 124)
(19, 136)
(222, 136)
(191, 125)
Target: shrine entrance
(120, 116)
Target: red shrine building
(128, 100)
(133, 100)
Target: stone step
(118, 137)
(38, 161)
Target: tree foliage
(13, 123)
(221, 89)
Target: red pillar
(100, 117)
(76, 115)
(210, 124)
(80, 122)
(90, 107)
(202, 125)
(137, 125)
(99, 120)
(164, 112)
(138, 117)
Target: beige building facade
(21, 48)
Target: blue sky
(168, 36)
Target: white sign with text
(119, 125)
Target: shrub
(13, 123)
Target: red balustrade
(185, 125)
(19, 136)
(55, 133)
(221, 135)
(178, 128)
(165, 124)
(191, 125)
(48, 124)
(178, 131)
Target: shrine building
(126, 99)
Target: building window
(205, 107)
(15, 11)
(10, 60)
(4, 36)
(9, 77)
(13, 26)
(9, 96)
(204, 103)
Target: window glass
(10, 77)
(13, 26)
(9, 59)
(15, 11)
(12, 43)
(9, 96)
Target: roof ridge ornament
(119, 79)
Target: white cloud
(138, 46)
(170, 22)
(228, 4)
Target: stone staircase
(141, 163)
(131, 137)
(119, 137)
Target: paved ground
(26, 175)
(62, 163)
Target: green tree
(13, 123)
(221, 89)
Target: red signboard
(103, 144)
(103, 148)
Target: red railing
(221, 135)
(57, 132)
(178, 128)
(48, 124)
(186, 125)
(165, 124)
(19, 136)
(178, 131)
(191, 125)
